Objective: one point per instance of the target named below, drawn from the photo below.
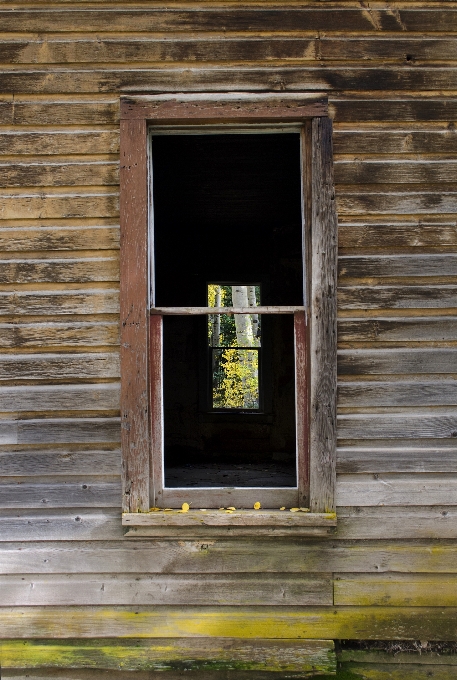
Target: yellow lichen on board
(257, 506)
(185, 507)
(283, 507)
(230, 507)
(295, 509)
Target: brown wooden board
(135, 437)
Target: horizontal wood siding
(390, 73)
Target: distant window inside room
(235, 347)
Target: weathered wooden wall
(390, 71)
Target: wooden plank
(400, 108)
(54, 303)
(189, 311)
(393, 170)
(255, 518)
(100, 397)
(70, 205)
(426, 201)
(398, 393)
(401, 458)
(57, 525)
(383, 266)
(398, 235)
(422, 623)
(59, 462)
(159, 589)
(397, 489)
(62, 335)
(304, 656)
(355, 523)
(405, 425)
(238, 106)
(59, 366)
(396, 590)
(404, 49)
(302, 426)
(396, 361)
(60, 431)
(226, 556)
(125, 49)
(54, 173)
(135, 414)
(323, 321)
(251, 78)
(87, 493)
(397, 297)
(375, 141)
(230, 18)
(423, 656)
(60, 238)
(382, 522)
(413, 329)
(412, 671)
(59, 142)
(67, 270)
(56, 111)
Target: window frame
(315, 322)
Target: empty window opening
(228, 233)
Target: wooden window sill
(175, 523)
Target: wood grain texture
(396, 108)
(83, 524)
(227, 556)
(397, 297)
(231, 18)
(63, 237)
(55, 462)
(416, 329)
(60, 431)
(55, 142)
(53, 173)
(60, 398)
(305, 657)
(68, 270)
(390, 171)
(397, 489)
(384, 266)
(237, 106)
(403, 522)
(396, 361)
(396, 590)
(403, 457)
(55, 334)
(323, 321)
(59, 366)
(246, 623)
(245, 78)
(398, 393)
(190, 589)
(135, 418)
(71, 494)
(55, 303)
(399, 235)
(398, 425)
(69, 205)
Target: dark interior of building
(227, 209)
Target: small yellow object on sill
(257, 506)
(185, 507)
(304, 509)
(295, 509)
(230, 507)
(283, 507)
